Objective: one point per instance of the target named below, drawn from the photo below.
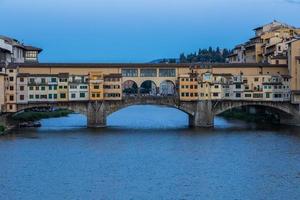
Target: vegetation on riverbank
(35, 116)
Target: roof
(31, 48)
(113, 76)
(144, 65)
(279, 57)
(17, 43)
(286, 76)
(223, 74)
(232, 55)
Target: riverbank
(31, 116)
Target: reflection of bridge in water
(201, 113)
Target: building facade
(269, 45)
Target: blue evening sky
(136, 30)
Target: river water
(149, 153)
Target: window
(53, 80)
(31, 96)
(63, 80)
(55, 96)
(50, 87)
(43, 80)
(277, 96)
(82, 95)
(267, 95)
(63, 95)
(167, 72)
(11, 97)
(256, 79)
(11, 78)
(31, 80)
(43, 88)
(248, 95)
(83, 87)
(44, 96)
(129, 72)
(37, 88)
(238, 86)
(73, 96)
(215, 94)
(50, 96)
(148, 72)
(31, 54)
(21, 88)
(37, 96)
(55, 87)
(182, 94)
(73, 86)
(30, 88)
(238, 95)
(216, 86)
(257, 95)
(96, 87)
(21, 79)
(11, 87)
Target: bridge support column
(203, 115)
(96, 114)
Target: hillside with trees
(206, 55)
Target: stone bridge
(201, 113)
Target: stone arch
(167, 88)
(170, 102)
(130, 87)
(285, 109)
(78, 107)
(148, 88)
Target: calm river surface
(149, 153)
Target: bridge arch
(130, 87)
(284, 109)
(78, 107)
(148, 87)
(167, 88)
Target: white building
(78, 88)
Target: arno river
(149, 153)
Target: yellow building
(112, 87)
(188, 87)
(2, 92)
(62, 87)
(11, 85)
(294, 69)
(96, 82)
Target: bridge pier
(96, 114)
(203, 115)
